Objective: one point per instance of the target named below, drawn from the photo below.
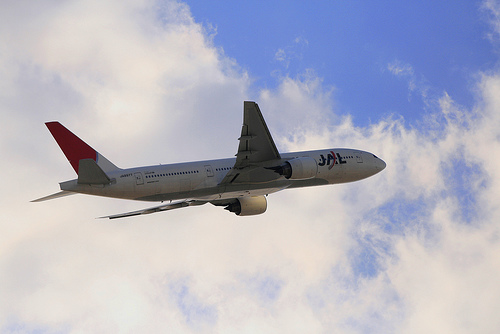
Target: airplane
(239, 184)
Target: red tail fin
(73, 147)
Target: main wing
(256, 146)
(159, 208)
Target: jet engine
(248, 206)
(298, 169)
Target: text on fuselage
(330, 160)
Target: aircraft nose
(381, 164)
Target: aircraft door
(209, 170)
(359, 159)
(138, 179)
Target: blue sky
(413, 249)
(350, 45)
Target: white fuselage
(201, 179)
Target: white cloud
(297, 103)
(492, 10)
(406, 71)
(141, 82)
(291, 53)
(434, 261)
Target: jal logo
(331, 160)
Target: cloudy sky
(413, 249)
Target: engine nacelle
(248, 206)
(298, 169)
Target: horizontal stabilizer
(89, 172)
(56, 195)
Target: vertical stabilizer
(76, 149)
